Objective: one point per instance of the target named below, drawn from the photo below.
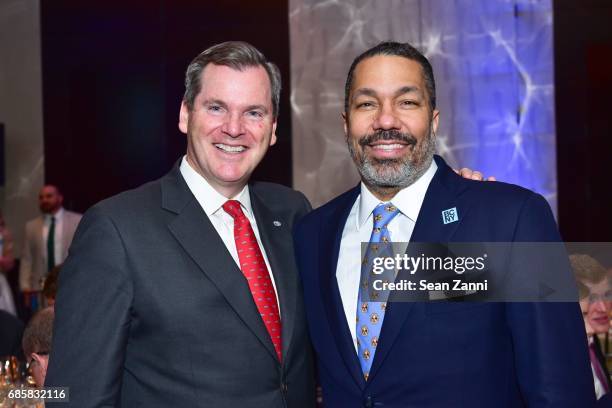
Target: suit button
(367, 402)
(284, 388)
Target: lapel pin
(277, 223)
(450, 215)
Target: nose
(386, 118)
(601, 306)
(233, 126)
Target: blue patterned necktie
(370, 309)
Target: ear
(345, 124)
(183, 118)
(42, 360)
(434, 121)
(273, 138)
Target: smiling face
(389, 125)
(230, 126)
(597, 308)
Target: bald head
(50, 199)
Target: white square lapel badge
(450, 215)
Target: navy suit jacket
(448, 354)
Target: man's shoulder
(33, 222)
(497, 191)
(265, 188)
(72, 215)
(277, 195)
(488, 193)
(513, 213)
(130, 203)
(332, 208)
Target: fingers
(476, 175)
(469, 174)
(473, 175)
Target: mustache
(395, 135)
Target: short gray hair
(237, 55)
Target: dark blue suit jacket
(451, 354)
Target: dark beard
(393, 173)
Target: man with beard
(46, 243)
(418, 354)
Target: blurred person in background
(49, 289)
(46, 243)
(36, 343)
(609, 299)
(7, 261)
(594, 294)
(11, 330)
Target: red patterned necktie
(255, 271)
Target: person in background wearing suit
(7, 262)
(595, 294)
(426, 354)
(46, 242)
(184, 292)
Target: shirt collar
(210, 199)
(408, 200)
(59, 214)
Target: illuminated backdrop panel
(493, 62)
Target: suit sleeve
(306, 206)
(70, 230)
(25, 263)
(92, 316)
(549, 339)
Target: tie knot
(383, 214)
(233, 208)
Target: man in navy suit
(426, 354)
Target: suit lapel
(195, 233)
(443, 193)
(39, 238)
(66, 236)
(277, 241)
(330, 236)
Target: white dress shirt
(212, 201)
(58, 241)
(358, 229)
